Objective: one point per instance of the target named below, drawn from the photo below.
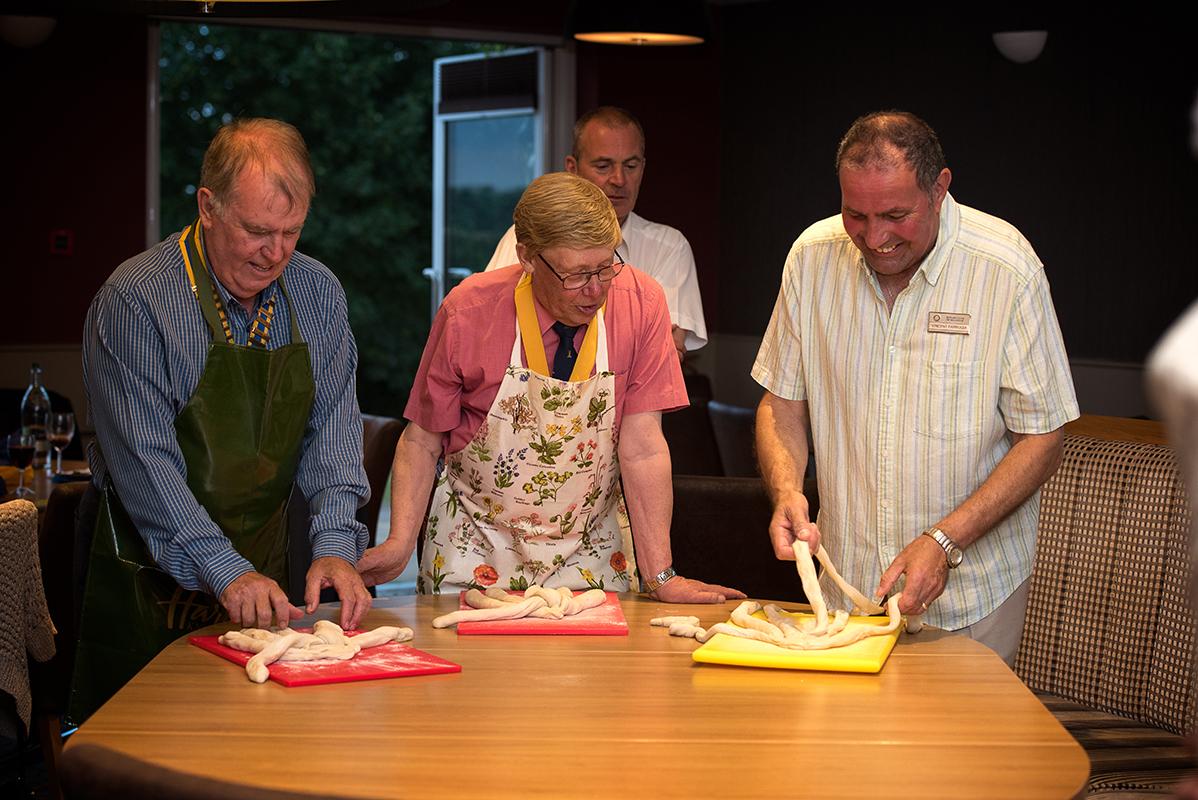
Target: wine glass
(59, 430)
(20, 452)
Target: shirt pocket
(947, 403)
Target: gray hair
(270, 145)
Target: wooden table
(574, 716)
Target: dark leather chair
(50, 682)
(720, 534)
(96, 772)
(379, 437)
(734, 434)
(688, 432)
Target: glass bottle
(35, 413)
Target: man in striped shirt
(219, 366)
(915, 341)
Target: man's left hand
(685, 590)
(926, 569)
(341, 575)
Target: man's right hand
(382, 563)
(253, 599)
(791, 521)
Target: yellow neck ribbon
(534, 346)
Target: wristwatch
(658, 580)
(952, 553)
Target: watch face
(954, 556)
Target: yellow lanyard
(534, 346)
(260, 331)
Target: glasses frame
(614, 268)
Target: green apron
(241, 434)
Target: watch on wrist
(658, 580)
(953, 554)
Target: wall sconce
(1021, 47)
(643, 22)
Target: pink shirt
(471, 342)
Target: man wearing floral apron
(220, 371)
(540, 392)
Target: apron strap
(292, 315)
(192, 247)
(534, 346)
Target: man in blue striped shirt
(219, 366)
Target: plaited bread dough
(327, 642)
(538, 601)
(781, 629)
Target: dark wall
(74, 158)
(1084, 150)
(675, 93)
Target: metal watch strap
(952, 553)
(658, 580)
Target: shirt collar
(233, 305)
(946, 238)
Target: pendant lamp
(648, 22)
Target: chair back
(719, 534)
(688, 432)
(379, 437)
(733, 427)
(51, 681)
(25, 625)
(1108, 620)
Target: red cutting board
(605, 620)
(390, 660)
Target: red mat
(605, 620)
(390, 660)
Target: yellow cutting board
(867, 655)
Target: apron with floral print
(535, 495)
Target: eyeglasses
(577, 280)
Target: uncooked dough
(327, 642)
(538, 601)
(783, 630)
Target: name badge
(948, 322)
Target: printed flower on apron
(437, 575)
(545, 485)
(596, 408)
(619, 565)
(552, 443)
(478, 445)
(565, 521)
(507, 467)
(494, 509)
(590, 578)
(484, 575)
(555, 397)
(475, 481)
(519, 411)
(584, 454)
